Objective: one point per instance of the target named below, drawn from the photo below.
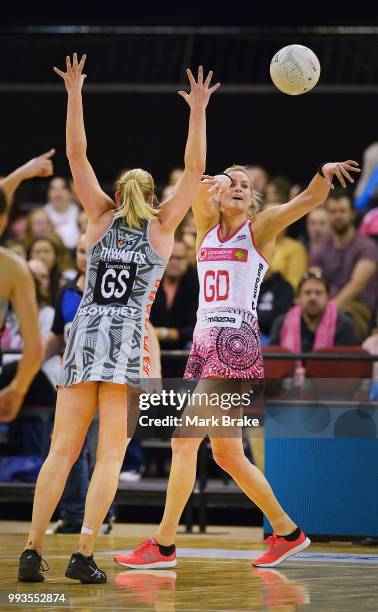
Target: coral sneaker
(148, 556)
(281, 549)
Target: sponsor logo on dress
(124, 256)
(222, 254)
(110, 311)
(221, 319)
(256, 287)
(241, 237)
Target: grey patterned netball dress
(108, 340)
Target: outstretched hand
(200, 91)
(39, 166)
(73, 77)
(341, 171)
(218, 184)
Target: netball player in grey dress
(129, 244)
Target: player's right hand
(73, 77)
(200, 91)
(39, 166)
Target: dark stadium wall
(289, 135)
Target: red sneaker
(281, 549)
(147, 556)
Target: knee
(184, 447)
(65, 453)
(230, 463)
(111, 457)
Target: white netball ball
(295, 69)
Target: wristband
(225, 174)
(320, 170)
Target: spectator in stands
(349, 262)
(260, 178)
(17, 226)
(39, 225)
(369, 224)
(17, 247)
(295, 190)
(46, 314)
(45, 250)
(366, 193)
(173, 178)
(83, 221)
(318, 227)
(314, 322)
(277, 190)
(74, 195)
(62, 211)
(289, 258)
(173, 313)
(11, 337)
(276, 297)
(188, 235)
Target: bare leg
(75, 409)
(112, 445)
(180, 485)
(229, 455)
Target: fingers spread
(340, 176)
(82, 62)
(208, 78)
(346, 173)
(191, 77)
(62, 74)
(200, 75)
(351, 168)
(214, 87)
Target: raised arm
(175, 208)
(23, 299)
(205, 205)
(271, 222)
(95, 201)
(38, 166)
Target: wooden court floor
(214, 574)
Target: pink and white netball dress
(226, 340)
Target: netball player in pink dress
(234, 248)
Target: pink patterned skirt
(226, 343)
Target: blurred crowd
(320, 290)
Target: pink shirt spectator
(369, 224)
(338, 263)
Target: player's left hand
(341, 171)
(10, 404)
(217, 184)
(39, 166)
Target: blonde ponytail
(256, 197)
(134, 188)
